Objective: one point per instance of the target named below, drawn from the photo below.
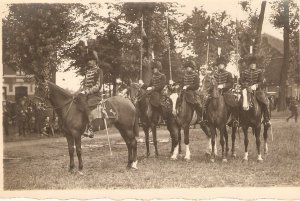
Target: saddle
(104, 109)
(231, 99)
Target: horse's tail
(136, 125)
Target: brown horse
(186, 116)
(250, 116)
(149, 116)
(217, 114)
(74, 122)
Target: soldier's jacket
(158, 82)
(21, 112)
(250, 77)
(224, 77)
(191, 79)
(93, 80)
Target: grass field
(43, 164)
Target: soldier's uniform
(158, 80)
(224, 78)
(90, 95)
(293, 107)
(21, 117)
(190, 83)
(254, 77)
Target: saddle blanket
(105, 110)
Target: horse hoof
(207, 153)
(224, 160)
(134, 165)
(173, 158)
(72, 171)
(259, 159)
(212, 160)
(245, 159)
(80, 173)
(187, 159)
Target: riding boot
(266, 115)
(88, 131)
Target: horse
(74, 122)
(250, 116)
(149, 116)
(186, 116)
(217, 113)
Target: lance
(141, 48)
(208, 38)
(169, 48)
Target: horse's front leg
(78, 152)
(213, 142)
(257, 137)
(233, 154)
(173, 128)
(266, 127)
(70, 141)
(224, 136)
(246, 142)
(154, 123)
(146, 131)
(187, 142)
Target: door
(21, 91)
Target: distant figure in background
(5, 113)
(293, 107)
(21, 116)
(39, 118)
(48, 127)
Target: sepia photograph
(151, 99)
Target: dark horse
(74, 121)
(250, 116)
(186, 116)
(217, 114)
(149, 116)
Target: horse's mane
(59, 89)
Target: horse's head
(134, 92)
(209, 85)
(247, 98)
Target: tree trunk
(114, 83)
(259, 27)
(285, 65)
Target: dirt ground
(43, 163)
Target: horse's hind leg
(78, 152)
(213, 142)
(187, 142)
(226, 143)
(179, 140)
(257, 136)
(172, 127)
(222, 142)
(70, 141)
(155, 119)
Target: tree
(36, 37)
(286, 15)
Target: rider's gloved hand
(149, 88)
(171, 82)
(185, 87)
(254, 87)
(220, 86)
(141, 82)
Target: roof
(274, 42)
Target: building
(16, 84)
(273, 70)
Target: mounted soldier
(190, 84)
(252, 81)
(223, 77)
(92, 84)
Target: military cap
(157, 64)
(190, 64)
(221, 60)
(252, 60)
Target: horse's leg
(186, 142)
(226, 143)
(222, 142)
(154, 123)
(78, 152)
(133, 146)
(213, 132)
(70, 141)
(173, 128)
(266, 138)
(246, 142)
(233, 154)
(146, 131)
(257, 136)
(206, 131)
(179, 140)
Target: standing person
(5, 113)
(21, 116)
(203, 72)
(252, 80)
(293, 107)
(90, 95)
